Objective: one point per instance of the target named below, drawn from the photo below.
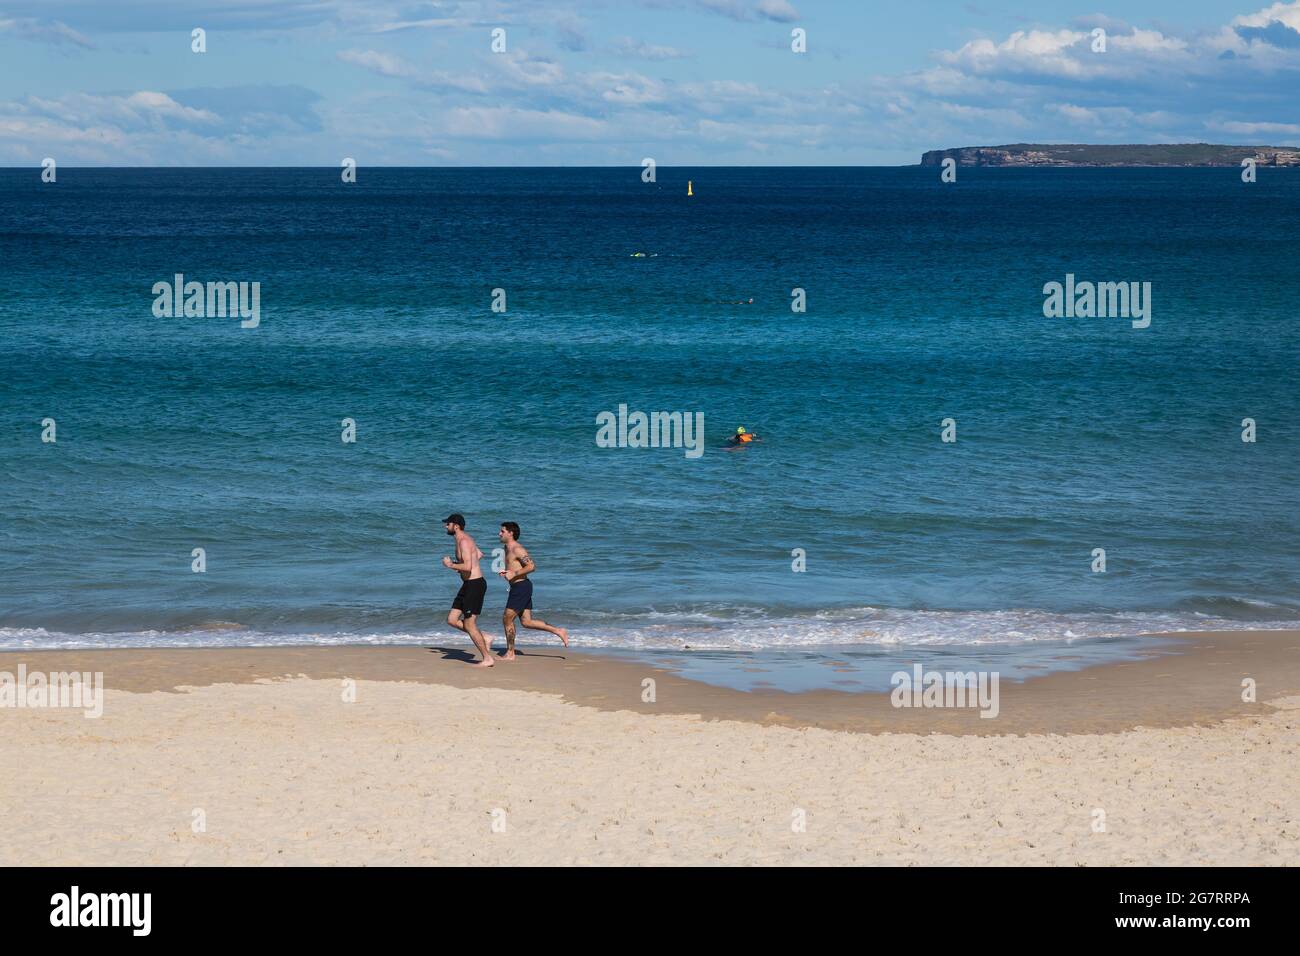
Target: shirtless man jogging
(469, 599)
(520, 601)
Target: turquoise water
(866, 667)
(924, 302)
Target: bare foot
(508, 656)
(485, 662)
(564, 636)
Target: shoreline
(1195, 679)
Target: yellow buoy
(689, 190)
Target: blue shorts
(520, 598)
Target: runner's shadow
(454, 654)
(464, 656)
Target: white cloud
(529, 71)
(45, 31)
(1287, 13)
(502, 122)
(1041, 84)
(149, 103)
(778, 10)
(1148, 84)
(626, 46)
(626, 89)
(385, 64)
(144, 108)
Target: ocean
(924, 302)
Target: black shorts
(520, 598)
(469, 599)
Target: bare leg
(480, 642)
(508, 620)
(536, 625)
(456, 619)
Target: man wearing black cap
(469, 599)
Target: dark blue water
(924, 303)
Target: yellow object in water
(689, 190)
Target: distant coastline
(1080, 154)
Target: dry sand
(556, 759)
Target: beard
(452, 533)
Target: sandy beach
(400, 755)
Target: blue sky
(307, 82)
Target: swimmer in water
(742, 437)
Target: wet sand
(1198, 681)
